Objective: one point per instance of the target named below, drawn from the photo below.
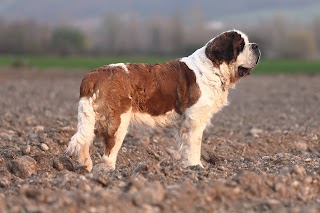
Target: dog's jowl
(183, 92)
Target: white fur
(212, 99)
(81, 141)
(162, 120)
(122, 65)
(246, 58)
(119, 137)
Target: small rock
(315, 137)
(280, 188)
(156, 139)
(301, 145)
(273, 203)
(140, 167)
(150, 209)
(62, 163)
(136, 184)
(124, 149)
(152, 194)
(44, 147)
(26, 149)
(308, 160)
(284, 170)
(101, 168)
(222, 168)
(5, 174)
(35, 194)
(33, 136)
(5, 177)
(5, 136)
(103, 180)
(24, 166)
(209, 155)
(295, 183)
(49, 141)
(38, 128)
(173, 153)
(299, 170)
(4, 183)
(83, 186)
(236, 190)
(308, 180)
(30, 120)
(279, 155)
(255, 132)
(145, 141)
(40, 157)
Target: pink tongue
(244, 71)
(247, 73)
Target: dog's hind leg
(114, 139)
(84, 156)
(81, 141)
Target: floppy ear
(221, 48)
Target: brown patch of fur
(224, 48)
(159, 88)
(153, 89)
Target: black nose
(254, 46)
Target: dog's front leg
(190, 141)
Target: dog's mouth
(243, 71)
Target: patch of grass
(265, 66)
(75, 62)
(288, 66)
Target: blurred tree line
(173, 35)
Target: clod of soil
(23, 166)
(63, 163)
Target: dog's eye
(241, 46)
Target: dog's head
(233, 48)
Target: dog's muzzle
(256, 51)
(244, 71)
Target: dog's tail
(86, 117)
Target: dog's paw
(86, 161)
(74, 147)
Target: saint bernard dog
(183, 92)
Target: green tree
(67, 41)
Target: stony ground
(261, 153)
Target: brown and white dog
(185, 92)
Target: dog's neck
(208, 73)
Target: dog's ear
(223, 48)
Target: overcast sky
(52, 11)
